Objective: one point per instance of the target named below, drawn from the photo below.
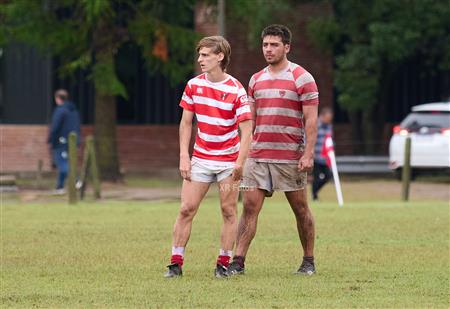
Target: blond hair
(218, 44)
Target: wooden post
(72, 177)
(39, 173)
(406, 172)
(84, 168)
(94, 168)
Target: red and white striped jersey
(279, 135)
(218, 107)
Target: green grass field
(113, 254)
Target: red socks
(177, 259)
(224, 260)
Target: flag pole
(337, 182)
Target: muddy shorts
(272, 177)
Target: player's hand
(306, 163)
(185, 167)
(237, 172)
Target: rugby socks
(224, 257)
(309, 259)
(177, 256)
(239, 260)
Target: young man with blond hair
(219, 103)
(284, 99)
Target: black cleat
(174, 271)
(235, 269)
(306, 269)
(220, 271)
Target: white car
(428, 125)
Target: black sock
(309, 259)
(239, 260)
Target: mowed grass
(113, 254)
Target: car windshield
(416, 121)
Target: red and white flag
(328, 153)
(327, 147)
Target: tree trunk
(104, 43)
(105, 136)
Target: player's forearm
(311, 135)
(246, 139)
(253, 111)
(185, 132)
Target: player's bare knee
(301, 208)
(229, 217)
(250, 209)
(229, 212)
(187, 211)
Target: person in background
(65, 119)
(321, 173)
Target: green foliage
(371, 38)
(256, 14)
(106, 81)
(329, 30)
(94, 9)
(155, 22)
(86, 34)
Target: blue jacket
(65, 119)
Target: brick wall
(141, 148)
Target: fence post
(84, 168)
(72, 177)
(406, 172)
(39, 173)
(94, 167)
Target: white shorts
(202, 171)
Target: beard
(274, 60)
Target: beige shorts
(272, 177)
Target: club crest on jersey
(223, 96)
(282, 93)
(200, 90)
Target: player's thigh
(298, 200)
(229, 193)
(253, 200)
(192, 193)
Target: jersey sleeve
(243, 111)
(186, 99)
(307, 89)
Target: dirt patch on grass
(353, 191)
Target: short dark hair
(278, 30)
(62, 94)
